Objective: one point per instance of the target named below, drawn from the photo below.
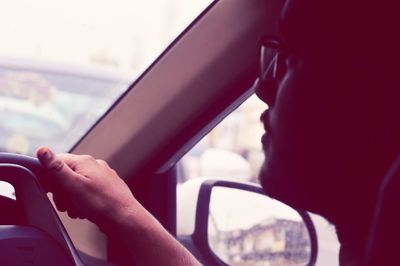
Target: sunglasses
(273, 56)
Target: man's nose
(266, 91)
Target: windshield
(64, 63)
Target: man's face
(303, 136)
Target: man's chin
(269, 184)
(281, 185)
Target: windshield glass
(64, 63)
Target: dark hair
(362, 29)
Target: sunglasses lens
(268, 61)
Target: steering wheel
(40, 238)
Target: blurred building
(273, 242)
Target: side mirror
(236, 224)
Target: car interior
(200, 78)
(205, 74)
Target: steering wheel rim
(27, 175)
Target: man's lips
(265, 119)
(265, 139)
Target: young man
(333, 118)
(332, 132)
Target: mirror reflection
(248, 228)
(7, 190)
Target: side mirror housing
(237, 224)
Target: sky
(129, 33)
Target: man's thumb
(49, 160)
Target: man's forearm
(149, 242)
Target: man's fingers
(49, 160)
(55, 166)
(60, 203)
(74, 214)
(63, 181)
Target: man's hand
(87, 188)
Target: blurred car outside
(54, 104)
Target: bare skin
(89, 188)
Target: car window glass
(64, 63)
(232, 149)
